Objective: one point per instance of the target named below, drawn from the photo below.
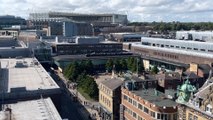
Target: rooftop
(155, 97)
(42, 109)
(24, 74)
(112, 83)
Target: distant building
(32, 109)
(205, 36)
(89, 18)
(110, 98)
(42, 52)
(147, 104)
(9, 21)
(125, 37)
(201, 47)
(13, 34)
(69, 28)
(170, 54)
(171, 80)
(87, 45)
(31, 35)
(10, 48)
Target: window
(182, 47)
(158, 115)
(190, 117)
(130, 100)
(134, 115)
(175, 117)
(152, 114)
(195, 118)
(189, 48)
(202, 50)
(209, 108)
(140, 118)
(210, 50)
(125, 97)
(140, 106)
(146, 110)
(172, 46)
(177, 46)
(134, 103)
(165, 117)
(195, 48)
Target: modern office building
(147, 104)
(110, 98)
(82, 45)
(42, 51)
(39, 109)
(89, 18)
(68, 28)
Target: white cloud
(138, 10)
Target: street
(69, 109)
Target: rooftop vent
(20, 64)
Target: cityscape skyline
(137, 10)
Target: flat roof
(42, 109)
(24, 74)
(150, 95)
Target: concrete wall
(12, 53)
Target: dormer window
(196, 103)
(209, 109)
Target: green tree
(155, 70)
(72, 71)
(89, 67)
(118, 66)
(109, 65)
(88, 85)
(123, 64)
(140, 65)
(132, 64)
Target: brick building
(110, 98)
(147, 104)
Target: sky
(137, 10)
